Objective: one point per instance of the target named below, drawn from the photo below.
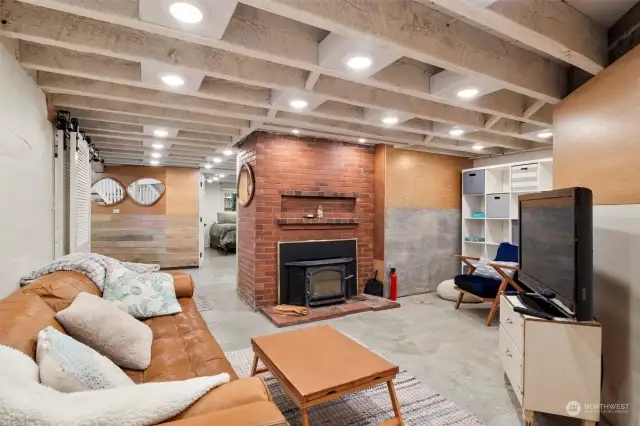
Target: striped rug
(201, 303)
(420, 405)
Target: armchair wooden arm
(513, 268)
(506, 278)
(466, 259)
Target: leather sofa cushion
(22, 317)
(60, 288)
(182, 348)
(257, 414)
(183, 283)
(233, 394)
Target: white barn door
(79, 195)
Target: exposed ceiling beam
(424, 34)
(253, 35)
(123, 131)
(83, 87)
(549, 26)
(312, 79)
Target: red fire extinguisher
(393, 284)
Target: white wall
(515, 157)
(26, 175)
(616, 249)
(212, 205)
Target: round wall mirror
(107, 192)
(246, 185)
(146, 191)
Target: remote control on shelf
(533, 313)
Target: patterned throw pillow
(99, 324)
(143, 295)
(69, 366)
(484, 270)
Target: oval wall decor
(246, 185)
(107, 192)
(146, 192)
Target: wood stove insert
(317, 273)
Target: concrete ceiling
(243, 67)
(605, 12)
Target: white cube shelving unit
(494, 191)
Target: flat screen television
(556, 248)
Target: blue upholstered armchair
(488, 289)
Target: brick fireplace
(293, 177)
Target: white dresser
(553, 366)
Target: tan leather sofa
(182, 348)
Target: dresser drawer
(511, 361)
(513, 323)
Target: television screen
(547, 246)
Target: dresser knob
(508, 353)
(508, 321)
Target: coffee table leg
(305, 417)
(254, 367)
(394, 402)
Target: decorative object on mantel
(295, 311)
(309, 216)
(246, 187)
(320, 214)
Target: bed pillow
(484, 270)
(102, 326)
(143, 295)
(30, 403)
(69, 366)
(227, 217)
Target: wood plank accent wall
(597, 134)
(424, 180)
(166, 233)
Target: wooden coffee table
(318, 364)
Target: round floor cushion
(446, 291)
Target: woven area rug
(419, 404)
(201, 303)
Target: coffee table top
(315, 360)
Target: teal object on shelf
(477, 215)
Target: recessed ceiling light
(298, 103)
(478, 147)
(362, 140)
(172, 80)
(390, 119)
(221, 175)
(295, 131)
(157, 146)
(545, 135)
(227, 152)
(359, 63)
(186, 12)
(217, 160)
(456, 131)
(161, 133)
(208, 166)
(215, 178)
(156, 155)
(468, 93)
(210, 180)
(154, 162)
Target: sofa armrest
(263, 413)
(183, 283)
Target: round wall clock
(246, 185)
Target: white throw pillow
(112, 332)
(70, 366)
(17, 365)
(484, 270)
(30, 403)
(145, 295)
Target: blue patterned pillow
(145, 295)
(67, 365)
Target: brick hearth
(294, 176)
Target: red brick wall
(284, 163)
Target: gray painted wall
(421, 244)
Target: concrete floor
(451, 351)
